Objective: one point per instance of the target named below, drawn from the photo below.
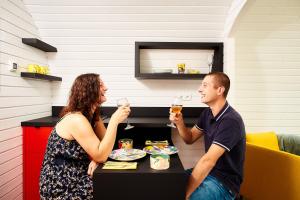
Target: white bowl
(162, 71)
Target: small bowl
(125, 143)
(169, 71)
(160, 161)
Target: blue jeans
(210, 189)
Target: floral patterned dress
(64, 170)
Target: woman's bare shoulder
(73, 119)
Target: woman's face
(103, 89)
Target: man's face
(208, 90)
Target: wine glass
(209, 62)
(176, 108)
(124, 102)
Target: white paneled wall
(267, 59)
(20, 99)
(99, 36)
(167, 59)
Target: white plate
(127, 154)
(162, 71)
(164, 150)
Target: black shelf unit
(34, 42)
(170, 76)
(40, 76)
(217, 64)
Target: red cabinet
(34, 145)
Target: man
(219, 173)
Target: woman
(79, 136)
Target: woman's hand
(92, 166)
(121, 114)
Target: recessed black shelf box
(170, 76)
(217, 64)
(34, 42)
(40, 76)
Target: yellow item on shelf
(193, 71)
(33, 68)
(181, 68)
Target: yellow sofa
(269, 174)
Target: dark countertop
(136, 121)
(41, 122)
(139, 116)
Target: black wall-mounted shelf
(170, 76)
(40, 76)
(217, 64)
(34, 42)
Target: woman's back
(64, 170)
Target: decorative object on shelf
(150, 55)
(168, 71)
(34, 68)
(210, 59)
(193, 71)
(40, 76)
(181, 68)
(34, 42)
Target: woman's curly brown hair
(84, 94)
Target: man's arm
(203, 167)
(189, 135)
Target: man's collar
(220, 114)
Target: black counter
(139, 116)
(41, 122)
(138, 122)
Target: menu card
(119, 165)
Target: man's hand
(92, 166)
(175, 117)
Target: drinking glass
(124, 102)
(210, 62)
(176, 108)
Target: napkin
(119, 165)
(157, 143)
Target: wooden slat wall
(267, 46)
(99, 36)
(20, 99)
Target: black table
(143, 183)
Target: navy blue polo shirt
(228, 131)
